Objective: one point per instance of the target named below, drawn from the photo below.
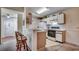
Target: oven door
(52, 33)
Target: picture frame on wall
(29, 18)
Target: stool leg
(17, 47)
(24, 46)
(20, 47)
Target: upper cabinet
(61, 19)
(55, 18)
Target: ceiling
(51, 10)
(20, 9)
(8, 13)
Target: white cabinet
(61, 18)
(48, 20)
(55, 18)
(60, 36)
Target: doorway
(8, 24)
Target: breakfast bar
(38, 39)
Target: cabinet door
(55, 18)
(59, 37)
(61, 19)
(41, 39)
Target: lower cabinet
(41, 40)
(60, 36)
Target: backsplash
(56, 26)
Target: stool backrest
(18, 36)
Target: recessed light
(8, 16)
(42, 10)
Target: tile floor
(55, 46)
(51, 43)
(10, 45)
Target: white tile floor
(8, 45)
(50, 46)
(51, 43)
(55, 46)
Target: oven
(52, 33)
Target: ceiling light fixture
(42, 10)
(8, 16)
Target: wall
(20, 22)
(0, 25)
(35, 22)
(8, 26)
(30, 34)
(72, 25)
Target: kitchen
(50, 26)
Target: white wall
(29, 32)
(72, 25)
(35, 22)
(13, 21)
(8, 26)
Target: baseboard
(7, 37)
(59, 42)
(72, 44)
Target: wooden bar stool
(21, 42)
(24, 42)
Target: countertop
(38, 30)
(58, 29)
(45, 30)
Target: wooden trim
(7, 37)
(63, 36)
